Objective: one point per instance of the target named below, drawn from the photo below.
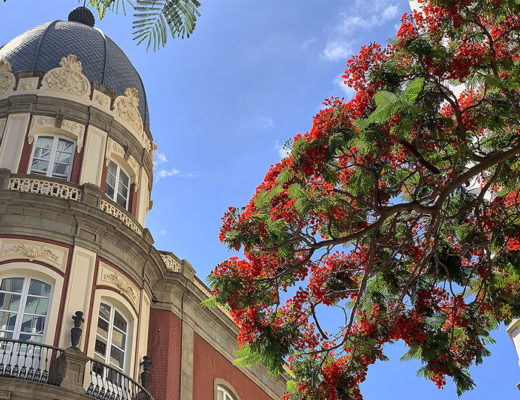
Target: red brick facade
(164, 348)
(209, 364)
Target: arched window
(111, 337)
(224, 394)
(117, 185)
(24, 308)
(52, 156)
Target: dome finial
(83, 16)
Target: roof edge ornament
(68, 78)
(82, 15)
(6, 77)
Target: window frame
(221, 385)
(108, 340)
(119, 169)
(52, 157)
(20, 313)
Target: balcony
(58, 188)
(29, 365)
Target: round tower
(76, 158)
(89, 308)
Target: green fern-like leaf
(155, 20)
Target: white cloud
(337, 49)
(281, 149)
(175, 172)
(390, 12)
(364, 16)
(353, 23)
(160, 158)
(164, 173)
(348, 91)
(162, 232)
(265, 121)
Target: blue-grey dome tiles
(42, 48)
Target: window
(117, 184)
(24, 309)
(111, 337)
(52, 156)
(223, 394)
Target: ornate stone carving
(114, 148)
(102, 100)
(126, 108)
(74, 128)
(6, 77)
(27, 84)
(77, 130)
(32, 252)
(126, 288)
(68, 78)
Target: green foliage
(155, 20)
(389, 104)
(292, 386)
(212, 302)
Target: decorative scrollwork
(121, 283)
(32, 252)
(68, 78)
(126, 107)
(6, 77)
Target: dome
(41, 48)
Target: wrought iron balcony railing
(109, 383)
(42, 363)
(30, 361)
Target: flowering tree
(400, 209)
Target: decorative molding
(126, 109)
(68, 78)
(102, 100)
(77, 130)
(7, 79)
(33, 251)
(135, 167)
(171, 263)
(46, 187)
(113, 148)
(27, 84)
(123, 216)
(74, 128)
(112, 278)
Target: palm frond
(153, 19)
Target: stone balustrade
(61, 189)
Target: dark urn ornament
(75, 333)
(145, 375)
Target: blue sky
(223, 103)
